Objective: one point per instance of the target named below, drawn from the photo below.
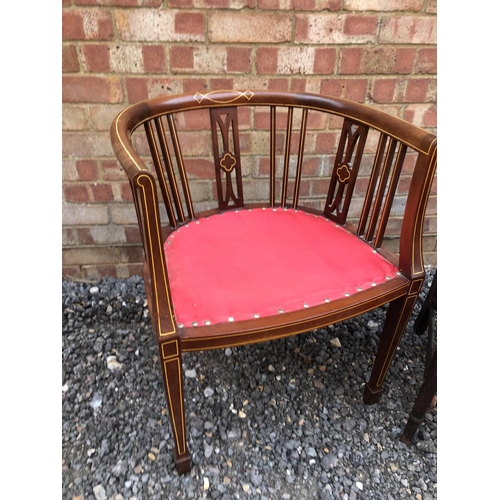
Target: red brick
(416, 90)
(361, 25)
(316, 4)
(262, 119)
(269, 4)
(117, 3)
(426, 61)
(133, 234)
(239, 60)
(278, 84)
(111, 170)
(222, 4)
(326, 142)
(408, 29)
(91, 89)
(324, 61)
(194, 85)
(251, 27)
(205, 59)
(86, 145)
(267, 60)
(311, 166)
(384, 5)
(70, 62)
(431, 7)
(189, 23)
(350, 61)
(87, 25)
(154, 60)
(102, 192)
(159, 25)
(430, 116)
(102, 116)
(404, 61)
(105, 28)
(87, 170)
(331, 29)
(383, 90)
(352, 89)
(181, 58)
(74, 118)
(96, 58)
(320, 187)
(299, 85)
(137, 89)
(72, 26)
(180, 3)
(125, 193)
(84, 236)
(200, 168)
(422, 115)
(222, 84)
(69, 237)
(193, 120)
(76, 193)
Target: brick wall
(116, 52)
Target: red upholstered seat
(243, 264)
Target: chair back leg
(396, 319)
(423, 402)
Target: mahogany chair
(426, 320)
(280, 251)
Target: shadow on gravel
(277, 420)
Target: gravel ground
(278, 420)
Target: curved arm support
(411, 260)
(146, 201)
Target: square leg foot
(182, 462)
(410, 429)
(370, 397)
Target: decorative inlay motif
(227, 162)
(200, 97)
(343, 173)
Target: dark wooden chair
(426, 320)
(261, 263)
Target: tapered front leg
(171, 362)
(397, 317)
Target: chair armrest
(411, 260)
(148, 214)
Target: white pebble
(100, 492)
(113, 363)
(335, 342)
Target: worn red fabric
(247, 263)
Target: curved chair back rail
(397, 139)
(370, 158)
